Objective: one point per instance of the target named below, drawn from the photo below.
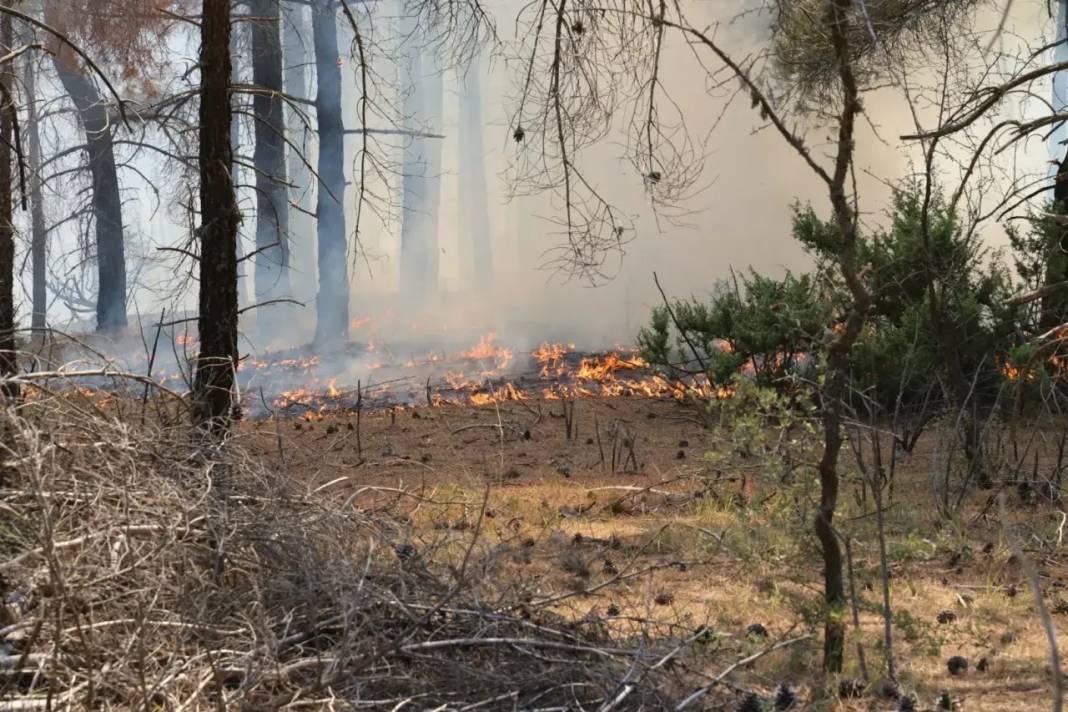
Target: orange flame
(486, 350)
(507, 392)
(1016, 373)
(602, 368)
(550, 357)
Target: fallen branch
(32, 378)
(741, 663)
(123, 531)
(629, 687)
(495, 426)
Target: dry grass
(146, 570)
(711, 540)
(451, 567)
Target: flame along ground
(370, 377)
(377, 372)
(486, 373)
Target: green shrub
(938, 309)
(762, 325)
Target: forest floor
(643, 520)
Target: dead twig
(698, 694)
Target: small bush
(763, 326)
(939, 314)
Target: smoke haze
(740, 218)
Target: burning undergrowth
(373, 376)
(370, 375)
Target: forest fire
(486, 350)
(1055, 367)
(484, 374)
(603, 368)
(550, 357)
(1017, 373)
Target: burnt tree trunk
(8, 360)
(213, 381)
(38, 228)
(269, 159)
(332, 303)
(107, 203)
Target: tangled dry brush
(142, 569)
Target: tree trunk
(1054, 307)
(833, 584)
(1054, 311)
(269, 159)
(841, 344)
(237, 177)
(107, 203)
(413, 267)
(332, 304)
(38, 228)
(433, 99)
(421, 169)
(474, 220)
(296, 41)
(8, 360)
(217, 359)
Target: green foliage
(774, 438)
(763, 324)
(885, 38)
(938, 303)
(909, 625)
(776, 434)
(744, 419)
(892, 361)
(912, 547)
(938, 296)
(1032, 248)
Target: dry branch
(159, 575)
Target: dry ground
(673, 539)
